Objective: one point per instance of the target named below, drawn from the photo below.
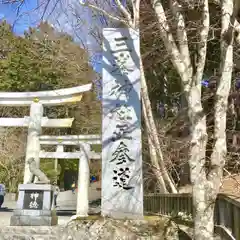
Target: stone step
(30, 230)
(15, 236)
(31, 233)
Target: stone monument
(35, 201)
(122, 184)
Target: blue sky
(63, 18)
(22, 17)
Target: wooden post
(221, 210)
(236, 222)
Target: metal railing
(227, 209)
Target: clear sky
(65, 17)
(21, 17)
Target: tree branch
(237, 29)
(125, 12)
(184, 71)
(218, 2)
(92, 6)
(222, 93)
(181, 32)
(202, 48)
(136, 14)
(236, 22)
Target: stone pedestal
(34, 206)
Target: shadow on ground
(5, 209)
(59, 212)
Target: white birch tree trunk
(214, 177)
(204, 222)
(205, 186)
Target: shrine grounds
(66, 206)
(7, 211)
(84, 230)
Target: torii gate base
(34, 206)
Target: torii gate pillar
(83, 182)
(33, 143)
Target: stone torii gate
(35, 122)
(84, 155)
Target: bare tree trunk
(197, 167)
(156, 155)
(205, 187)
(204, 224)
(203, 209)
(153, 156)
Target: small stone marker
(34, 206)
(33, 200)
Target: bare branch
(136, 15)
(181, 31)
(202, 49)
(237, 29)
(222, 94)
(217, 2)
(153, 152)
(107, 14)
(125, 12)
(184, 71)
(236, 22)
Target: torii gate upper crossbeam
(53, 97)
